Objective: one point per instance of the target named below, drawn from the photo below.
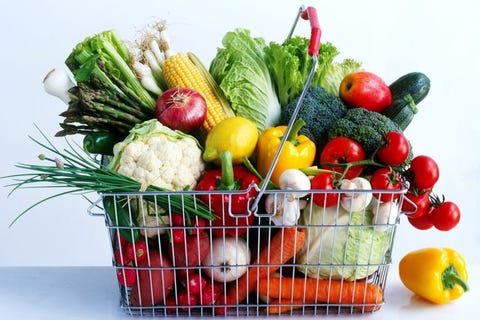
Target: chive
(80, 173)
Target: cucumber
(407, 92)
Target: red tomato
(420, 206)
(395, 149)
(342, 150)
(446, 216)
(386, 179)
(424, 172)
(324, 181)
(422, 222)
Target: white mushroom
(385, 214)
(355, 201)
(286, 206)
(57, 83)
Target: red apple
(366, 90)
(181, 109)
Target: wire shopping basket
(171, 261)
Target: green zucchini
(407, 92)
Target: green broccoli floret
(366, 127)
(319, 109)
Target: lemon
(235, 134)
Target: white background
(391, 38)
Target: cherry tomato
(395, 149)
(446, 216)
(422, 222)
(342, 150)
(421, 202)
(424, 172)
(324, 181)
(386, 179)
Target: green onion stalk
(80, 173)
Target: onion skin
(181, 109)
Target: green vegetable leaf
(241, 71)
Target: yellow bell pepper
(436, 274)
(297, 152)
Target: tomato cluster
(428, 210)
(344, 158)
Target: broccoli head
(366, 127)
(319, 109)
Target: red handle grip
(311, 14)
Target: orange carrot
(281, 248)
(359, 294)
(277, 306)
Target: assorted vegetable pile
(167, 122)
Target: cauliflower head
(153, 154)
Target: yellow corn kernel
(183, 70)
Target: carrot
(359, 294)
(277, 306)
(281, 248)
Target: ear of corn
(187, 71)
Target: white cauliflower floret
(161, 158)
(152, 219)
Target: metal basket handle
(94, 206)
(310, 14)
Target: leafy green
(335, 72)
(290, 65)
(112, 51)
(340, 244)
(241, 71)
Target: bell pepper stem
(450, 278)
(228, 180)
(292, 135)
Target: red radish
(189, 253)
(121, 258)
(196, 283)
(186, 300)
(211, 293)
(136, 251)
(155, 281)
(126, 277)
(181, 109)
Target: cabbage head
(341, 244)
